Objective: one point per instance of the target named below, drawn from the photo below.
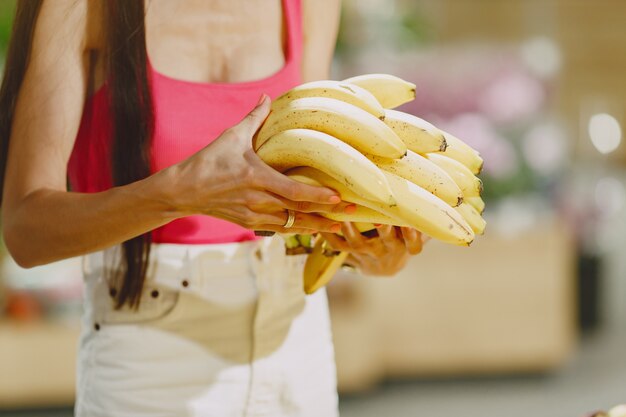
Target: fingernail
(262, 99)
(335, 228)
(350, 209)
(335, 199)
(377, 225)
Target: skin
(384, 255)
(194, 40)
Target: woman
(140, 107)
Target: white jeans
(222, 330)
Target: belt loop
(85, 265)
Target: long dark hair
(130, 103)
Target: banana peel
(323, 262)
(321, 265)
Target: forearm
(50, 225)
(227, 179)
(320, 27)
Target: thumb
(253, 121)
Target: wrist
(157, 191)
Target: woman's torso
(208, 63)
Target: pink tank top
(188, 116)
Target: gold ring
(291, 218)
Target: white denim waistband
(208, 271)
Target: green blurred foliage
(524, 181)
(416, 29)
(7, 10)
(405, 28)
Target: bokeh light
(542, 55)
(605, 132)
(610, 195)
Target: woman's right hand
(228, 180)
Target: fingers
(384, 255)
(353, 236)
(412, 240)
(262, 201)
(253, 121)
(315, 222)
(312, 222)
(389, 236)
(353, 260)
(354, 242)
(387, 231)
(267, 178)
(308, 207)
(365, 264)
(297, 191)
(259, 220)
(337, 242)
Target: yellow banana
(389, 90)
(364, 226)
(462, 152)
(477, 203)
(363, 217)
(472, 217)
(320, 268)
(305, 147)
(470, 185)
(338, 90)
(415, 207)
(417, 134)
(342, 120)
(428, 213)
(424, 173)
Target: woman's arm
(42, 222)
(320, 25)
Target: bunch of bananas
(397, 168)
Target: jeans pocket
(157, 303)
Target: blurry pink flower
(500, 160)
(512, 97)
(545, 148)
(474, 129)
(478, 132)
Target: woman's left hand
(383, 255)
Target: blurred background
(531, 321)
